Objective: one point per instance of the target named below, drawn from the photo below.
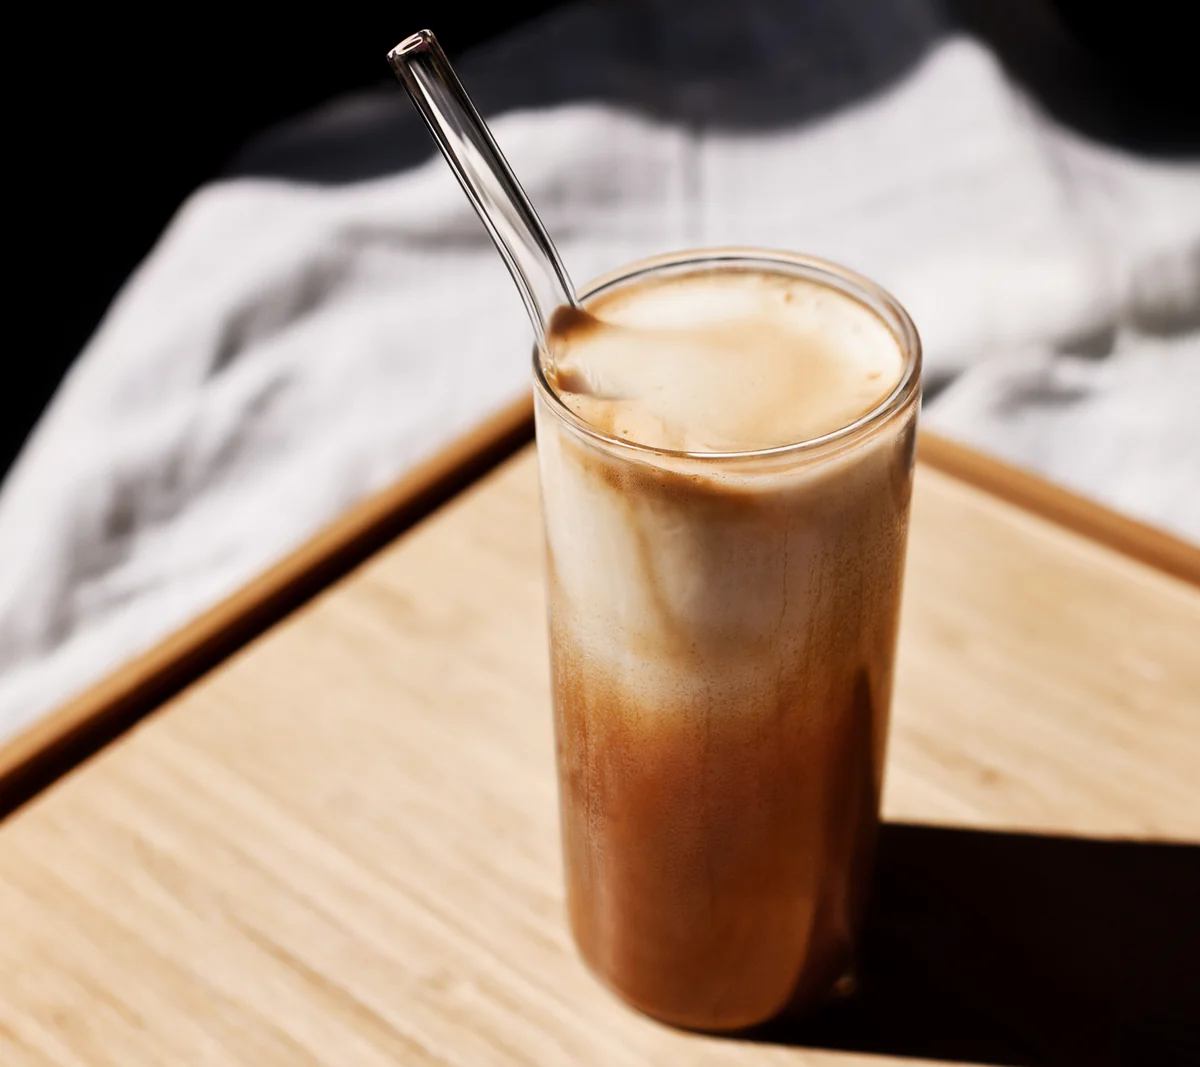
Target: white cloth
(287, 348)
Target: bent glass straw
(486, 177)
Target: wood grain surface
(341, 845)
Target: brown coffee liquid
(722, 651)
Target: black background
(116, 117)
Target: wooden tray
(336, 840)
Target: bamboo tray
(318, 826)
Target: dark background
(127, 114)
(117, 117)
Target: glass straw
(486, 177)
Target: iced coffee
(726, 447)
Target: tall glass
(722, 636)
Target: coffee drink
(726, 448)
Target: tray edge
(58, 742)
(49, 748)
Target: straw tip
(421, 41)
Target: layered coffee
(725, 561)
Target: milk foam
(723, 360)
(657, 560)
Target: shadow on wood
(1021, 949)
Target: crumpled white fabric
(288, 348)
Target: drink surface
(722, 635)
(722, 360)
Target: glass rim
(872, 296)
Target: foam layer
(722, 360)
